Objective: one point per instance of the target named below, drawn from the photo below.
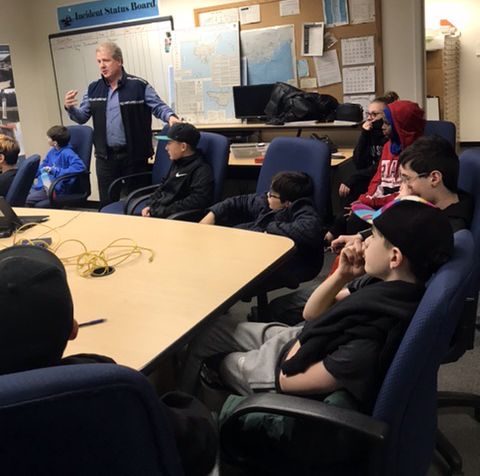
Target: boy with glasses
(286, 210)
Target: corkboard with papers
(359, 59)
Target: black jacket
(188, 186)
(366, 155)
(379, 312)
(300, 222)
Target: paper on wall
(327, 68)
(361, 11)
(308, 83)
(218, 17)
(358, 50)
(312, 39)
(302, 68)
(335, 12)
(359, 79)
(289, 7)
(249, 14)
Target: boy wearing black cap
(189, 183)
(349, 338)
(36, 323)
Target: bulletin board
(312, 11)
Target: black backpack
(288, 103)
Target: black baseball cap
(183, 132)
(419, 229)
(37, 309)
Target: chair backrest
(81, 140)
(301, 155)
(444, 129)
(84, 419)
(18, 191)
(216, 149)
(469, 181)
(162, 163)
(407, 398)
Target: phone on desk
(42, 242)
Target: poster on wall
(9, 119)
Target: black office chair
(398, 438)
(97, 419)
(463, 340)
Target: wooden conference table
(152, 308)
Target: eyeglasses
(406, 179)
(373, 114)
(271, 194)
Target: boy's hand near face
(352, 262)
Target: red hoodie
(409, 124)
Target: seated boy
(286, 210)
(9, 151)
(60, 160)
(189, 183)
(36, 323)
(429, 169)
(350, 336)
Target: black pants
(116, 165)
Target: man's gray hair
(112, 48)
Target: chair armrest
(55, 182)
(135, 197)
(289, 405)
(122, 180)
(371, 431)
(189, 215)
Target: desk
(336, 125)
(154, 308)
(347, 153)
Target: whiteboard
(146, 48)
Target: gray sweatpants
(253, 350)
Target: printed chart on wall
(268, 55)
(9, 119)
(206, 62)
(146, 48)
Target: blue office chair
(399, 436)
(444, 129)
(97, 419)
(469, 181)
(300, 155)
(18, 191)
(81, 140)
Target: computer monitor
(250, 101)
